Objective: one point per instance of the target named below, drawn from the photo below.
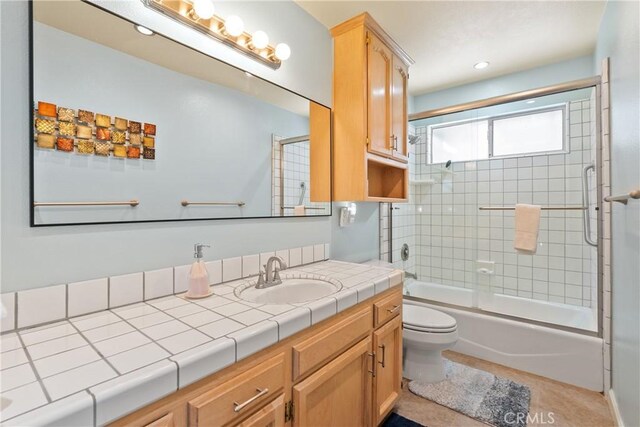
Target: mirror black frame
(32, 222)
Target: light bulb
(481, 65)
(259, 39)
(283, 51)
(144, 30)
(234, 26)
(203, 8)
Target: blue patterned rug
(478, 394)
(395, 420)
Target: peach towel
(527, 227)
(299, 210)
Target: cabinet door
(379, 65)
(272, 415)
(339, 394)
(399, 81)
(387, 344)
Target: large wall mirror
(128, 127)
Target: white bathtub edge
(560, 355)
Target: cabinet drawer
(233, 399)
(166, 421)
(320, 348)
(271, 415)
(387, 308)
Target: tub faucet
(271, 274)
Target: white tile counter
(94, 369)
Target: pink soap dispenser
(198, 275)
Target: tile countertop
(94, 369)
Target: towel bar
(624, 199)
(131, 203)
(188, 203)
(544, 208)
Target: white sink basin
(292, 290)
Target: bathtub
(569, 357)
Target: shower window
(533, 131)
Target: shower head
(414, 139)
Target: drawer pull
(240, 406)
(383, 347)
(394, 309)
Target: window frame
(563, 107)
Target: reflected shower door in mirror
(129, 127)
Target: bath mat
(478, 394)
(395, 420)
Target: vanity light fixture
(233, 26)
(199, 15)
(143, 30)
(481, 65)
(203, 9)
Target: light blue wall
(619, 40)
(360, 241)
(560, 72)
(39, 257)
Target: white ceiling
(446, 38)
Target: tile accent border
(34, 307)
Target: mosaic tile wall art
(88, 133)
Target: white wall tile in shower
(446, 232)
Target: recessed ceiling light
(481, 65)
(531, 101)
(143, 30)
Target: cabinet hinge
(367, 40)
(288, 411)
(368, 142)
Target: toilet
(427, 332)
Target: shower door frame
(591, 82)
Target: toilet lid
(423, 318)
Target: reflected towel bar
(306, 208)
(188, 203)
(624, 199)
(544, 208)
(131, 203)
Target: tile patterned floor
(572, 406)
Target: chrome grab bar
(586, 214)
(624, 198)
(240, 406)
(131, 203)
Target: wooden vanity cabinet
(387, 344)
(338, 394)
(370, 113)
(343, 371)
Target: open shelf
(386, 181)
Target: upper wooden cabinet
(370, 113)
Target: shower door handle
(586, 214)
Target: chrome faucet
(271, 275)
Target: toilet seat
(424, 319)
